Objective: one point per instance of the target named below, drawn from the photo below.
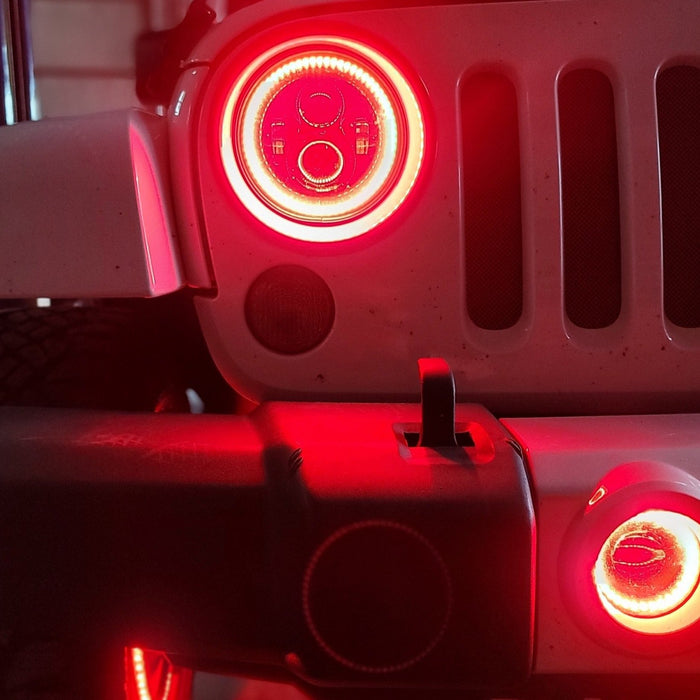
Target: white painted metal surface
(85, 208)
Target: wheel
(139, 356)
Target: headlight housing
(322, 138)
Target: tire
(135, 357)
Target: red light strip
(143, 690)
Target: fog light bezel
(622, 495)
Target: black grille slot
(678, 104)
(492, 202)
(590, 199)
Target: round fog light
(647, 572)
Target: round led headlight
(322, 138)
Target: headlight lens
(322, 139)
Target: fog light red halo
(647, 572)
(322, 138)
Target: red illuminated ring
(326, 214)
(647, 572)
